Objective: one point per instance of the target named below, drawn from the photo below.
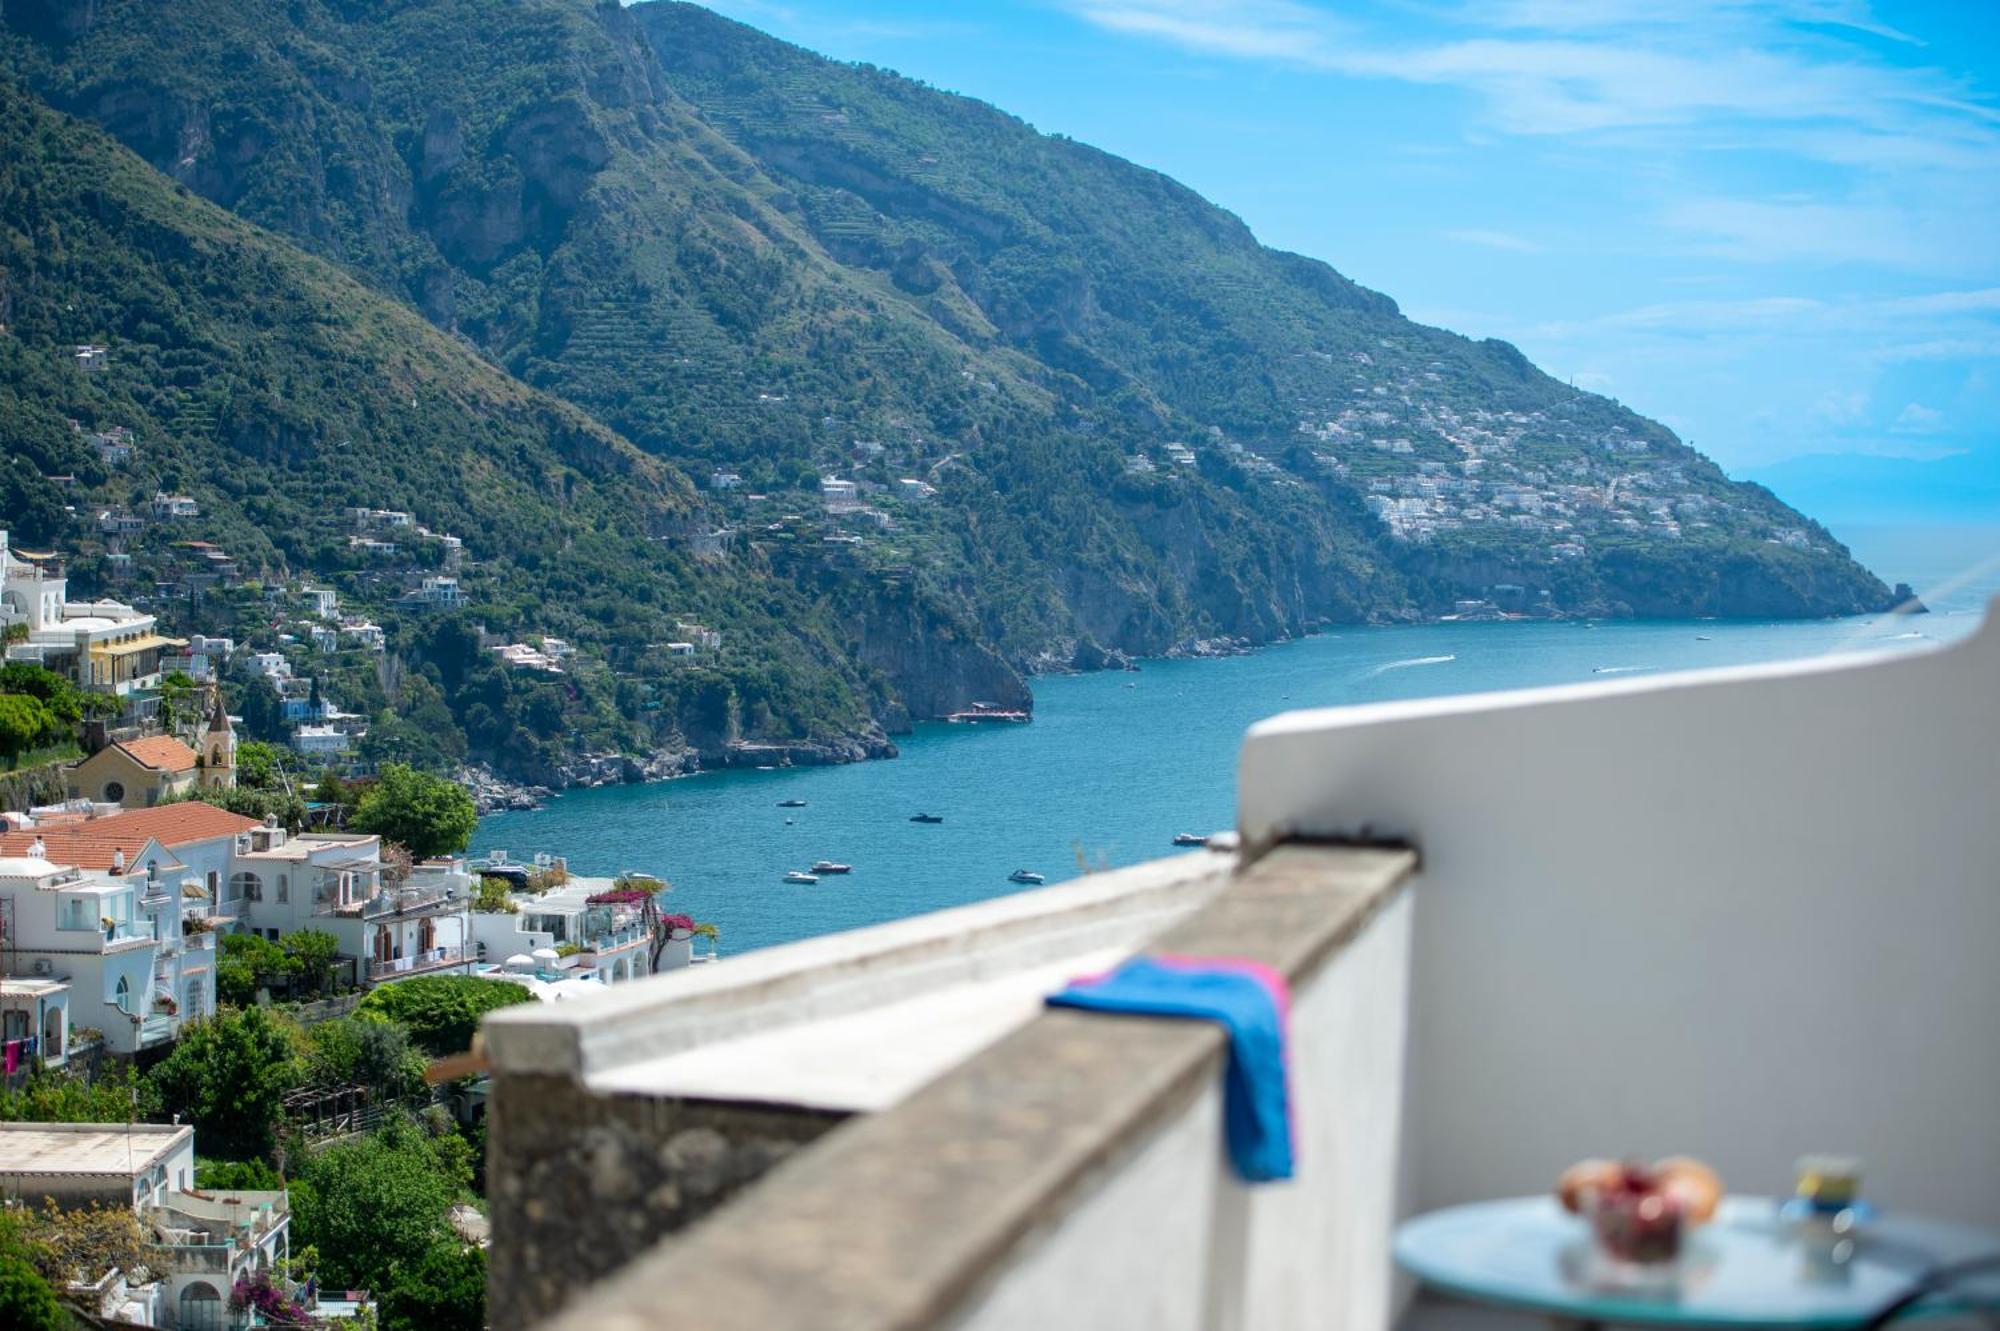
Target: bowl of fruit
(1640, 1215)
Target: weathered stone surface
(580, 1184)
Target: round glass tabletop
(1747, 1267)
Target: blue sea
(1115, 764)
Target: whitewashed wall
(1172, 1241)
(1744, 914)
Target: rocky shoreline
(493, 793)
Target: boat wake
(1898, 637)
(1618, 670)
(1413, 661)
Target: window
(114, 792)
(284, 888)
(214, 885)
(247, 886)
(121, 997)
(201, 1307)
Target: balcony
(408, 902)
(433, 959)
(610, 942)
(1744, 915)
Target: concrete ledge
(592, 1039)
(898, 1219)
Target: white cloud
(1593, 66)
(1916, 418)
(1842, 406)
(1799, 229)
(1493, 240)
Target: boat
(988, 715)
(1189, 839)
(1028, 876)
(791, 804)
(796, 877)
(828, 866)
(926, 818)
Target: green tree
(441, 1012)
(369, 1203)
(259, 765)
(226, 1175)
(27, 1302)
(491, 896)
(180, 703)
(228, 1077)
(66, 1097)
(443, 1289)
(24, 723)
(245, 961)
(53, 690)
(311, 953)
(426, 815)
(351, 1051)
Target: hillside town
(183, 908)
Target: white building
(168, 507)
(367, 636)
(724, 480)
(199, 1244)
(322, 741)
(440, 592)
(586, 928)
(105, 646)
(91, 933)
(324, 602)
(839, 496)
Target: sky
(1770, 225)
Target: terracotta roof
(163, 752)
(91, 845)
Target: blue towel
(1251, 1003)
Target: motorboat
(1028, 876)
(927, 818)
(1189, 839)
(828, 866)
(791, 804)
(795, 876)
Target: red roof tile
(91, 844)
(162, 752)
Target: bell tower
(218, 747)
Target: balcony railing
(406, 901)
(429, 960)
(614, 940)
(192, 1259)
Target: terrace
(1741, 914)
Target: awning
(151, 642)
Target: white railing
(430, 959)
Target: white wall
(1743, 914)
(1172, 1240)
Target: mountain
(284, 393)
(1082, 410)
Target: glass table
(1746, 1268)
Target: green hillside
(1085, 411)
(282, 393)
